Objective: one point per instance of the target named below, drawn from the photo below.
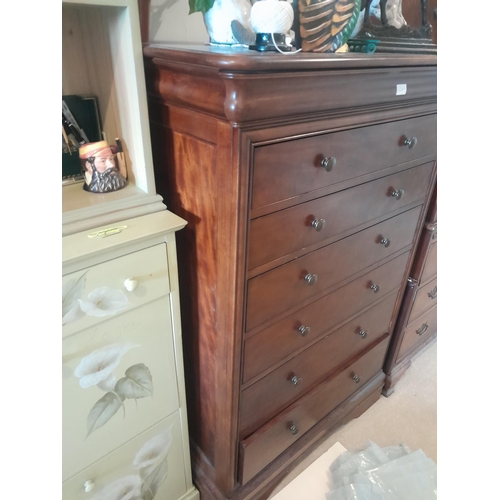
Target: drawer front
(156, 453)
(292, 168)
(430, 267)
(281, 339)
(93, 295)
(425, 298)
(262, 400)
(130, 356)
(266, 444)
(316, 221)
(418, 332)
(286, 286)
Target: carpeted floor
(408, 416)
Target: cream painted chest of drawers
(124, 409)
(304, 179)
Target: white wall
(169, 21)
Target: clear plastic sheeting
(391, 473)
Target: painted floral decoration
(100, 302)
(97, 369)
(151, 462)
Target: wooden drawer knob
(374, 287)
(294, 429)
(355, 378)
(295, 380)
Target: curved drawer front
(119, 472)
(287, 286)
(276, 436)
(262, 400)
(118, 379)
(425, 298)
(287, 231)
(418, 332)
(281, 339)
(292, 168)
(98, 293)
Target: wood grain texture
(357, 152)
(268, 396)
(211, 111)
(419, 331)
(283, 338)
(286, 286)
(416, 302)
(246, 88)
(425, 298)
(338, 212)
(269, 441)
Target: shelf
(102, 56)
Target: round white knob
(131, 284)
(88, 485)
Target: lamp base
(264, 43)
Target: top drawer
(292, 168)
(94, 294)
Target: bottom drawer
(266, 444)
(418, 332)
(149, 466)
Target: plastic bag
(391, 473)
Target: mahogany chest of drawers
(304, 180)
(416, 324)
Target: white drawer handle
(88, 485)
(131, 284)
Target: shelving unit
(102, 56)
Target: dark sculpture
(385, 30)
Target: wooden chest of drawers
(416, 324)
(304, 181)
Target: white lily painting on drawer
(100, 302)
(99, 369)
(151, 465)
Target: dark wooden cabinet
(304, 179)
(416, 324)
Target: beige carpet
(408, 416)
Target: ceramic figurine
(325, 26)
(102, 173)
(219, 17)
